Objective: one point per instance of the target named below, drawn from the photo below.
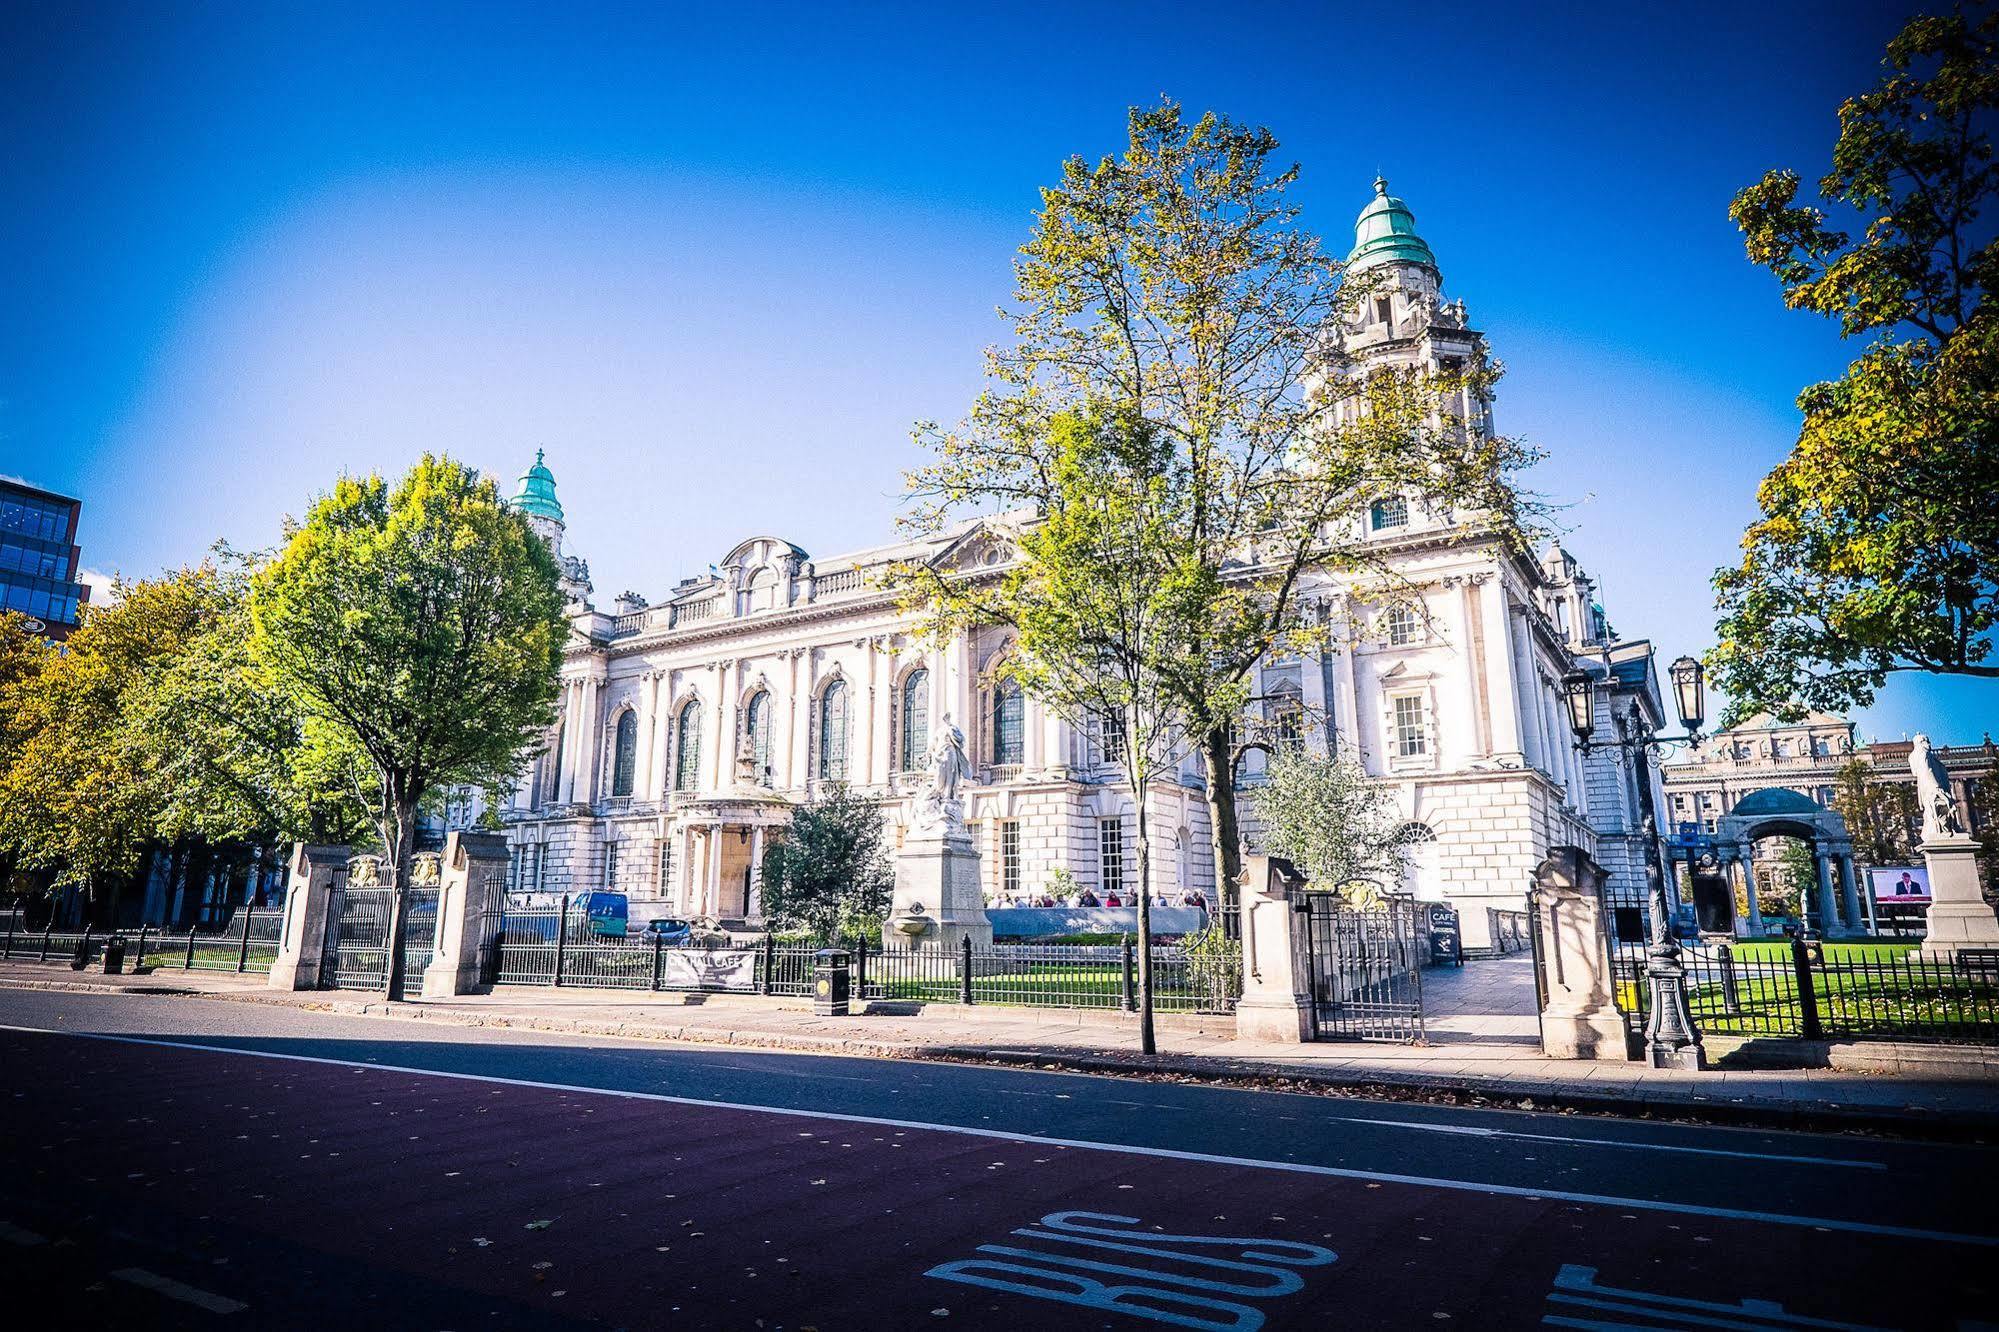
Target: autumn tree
(1174, 287)
(1324, 813)
(419, 626)
(1877, 550)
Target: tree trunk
(401, 856)
(1147, 1043)
(1218, 761)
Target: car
(666, 930)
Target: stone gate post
(1580, 1019)
(316, 883)
(474, 870)
(1276, 1003)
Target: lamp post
(1671, 1039)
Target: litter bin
(829, 982)
(114, 955)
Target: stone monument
(1276, 1002)
(937, 895)
(317, 883)
(472, 876)
(1959, 915)
(1579, 1017)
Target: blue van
(608, 914)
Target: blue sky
(717, 260)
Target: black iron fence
(247, 942)
(1816, 990)
(558, 947)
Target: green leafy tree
(831, 875)
(1878, 546)
(419, 626)
(1794, 886)
(1104, 595)
(1174, 286)
(1881, 816)
(1325, 815)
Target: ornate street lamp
(1671, 1039)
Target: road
(172, 1162)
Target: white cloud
(103, 588)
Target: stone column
(721, 754)
(753, 899)
(318, 882)
(1580, 1019)
(642, 783)
(586, 749)
(1496, 645)
(1830, 921)
(469, 893)
(565, 757)
(1276, 1003)
(1749, 891)
(712, 892)
(1849, 896)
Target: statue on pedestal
(942, 803)
(1941, 818)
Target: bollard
(861, 967)
(243, 945)
(562, 939)
(965, 969)
(139, 959)
(81, 958)
(1808, 1000)
(47, 930)
(769, 963)
(1130, 985)
(187, 958)
(658, 958)
(1731, 998)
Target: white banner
(708, 969)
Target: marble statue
(943, 801)
(1940, 814)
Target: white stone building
(688, 726)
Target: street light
(1671, 1039)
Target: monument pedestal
(1579, 1017)
(937, 900)
(1276, 1003)
(473, 878)
(1959, 915)
(312, 912)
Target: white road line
(1474, 1131)
(1120, 1148)
(13, 1234)
(179, 1290)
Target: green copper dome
(536, 497)
(1385, 232)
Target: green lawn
(1861, 988)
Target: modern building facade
(39, 557)
(689, 726)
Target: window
(1007, 724)
(915, 704)
(625, 763)
(1411, 738)
(1113, 726)
(541, 867)
(1403, 625)
(1010, 857)
(1110, 854)
(833, 733)
(756, 721)
(1287, 721)
(665, 868)
(1390, 512)
(611, 866)
(687, 753)
(555, 765)
(1384, 310)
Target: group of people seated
(1087, 897)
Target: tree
(419, 626)
(830, 874)
(1881, 816)
(1324, 814)
(1796, 879)
(1878, 546)
(1105, 595)
(1173, 286)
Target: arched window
(757, 722)
(687, 754)
(1008, 709)
(915, 719)
(833, 733)
(1390, 512)
(625, 754)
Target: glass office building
(38, 557)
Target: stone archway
(1779, 811)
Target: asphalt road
(183, 1163)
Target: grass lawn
(1862, 988)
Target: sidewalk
(1472, 1058)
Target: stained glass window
(687, 755)
(625, 761)
(1008, 711)
(915, 718)
(833, 733)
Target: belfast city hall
(689, 726)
